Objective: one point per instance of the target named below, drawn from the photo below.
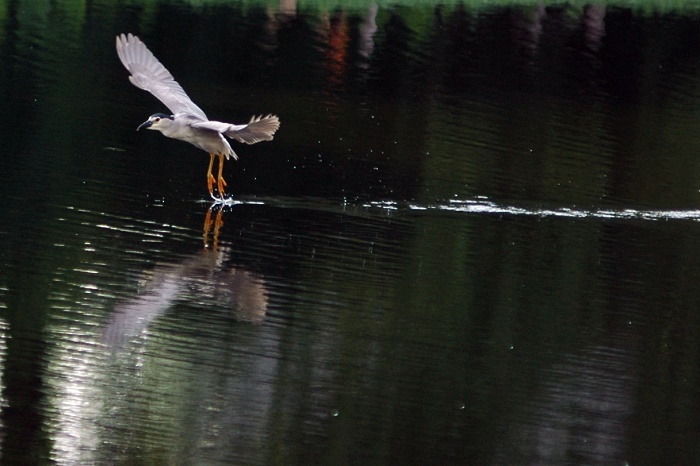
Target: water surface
(472, 241)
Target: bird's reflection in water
(217, 223)
(204, 279)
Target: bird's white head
(158, 121)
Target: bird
(188, 122)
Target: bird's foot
(222, 184)
(218, 197)
(210, 184)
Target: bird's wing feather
(258, 129)
(217, 126)
(149, 74)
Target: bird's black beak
(145, 124)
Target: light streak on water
(476, 206)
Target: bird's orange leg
(222, 183)
(210, 177)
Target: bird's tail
(259, 128)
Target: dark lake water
(475, 238)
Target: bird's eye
(157, 120)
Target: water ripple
(478, 205)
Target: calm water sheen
(474, 240)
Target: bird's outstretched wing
(149, 74)
(258, 129)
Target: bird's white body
(206, 139)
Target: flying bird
(188, 122)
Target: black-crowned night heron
(188, 122)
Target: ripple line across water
(479, 205)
